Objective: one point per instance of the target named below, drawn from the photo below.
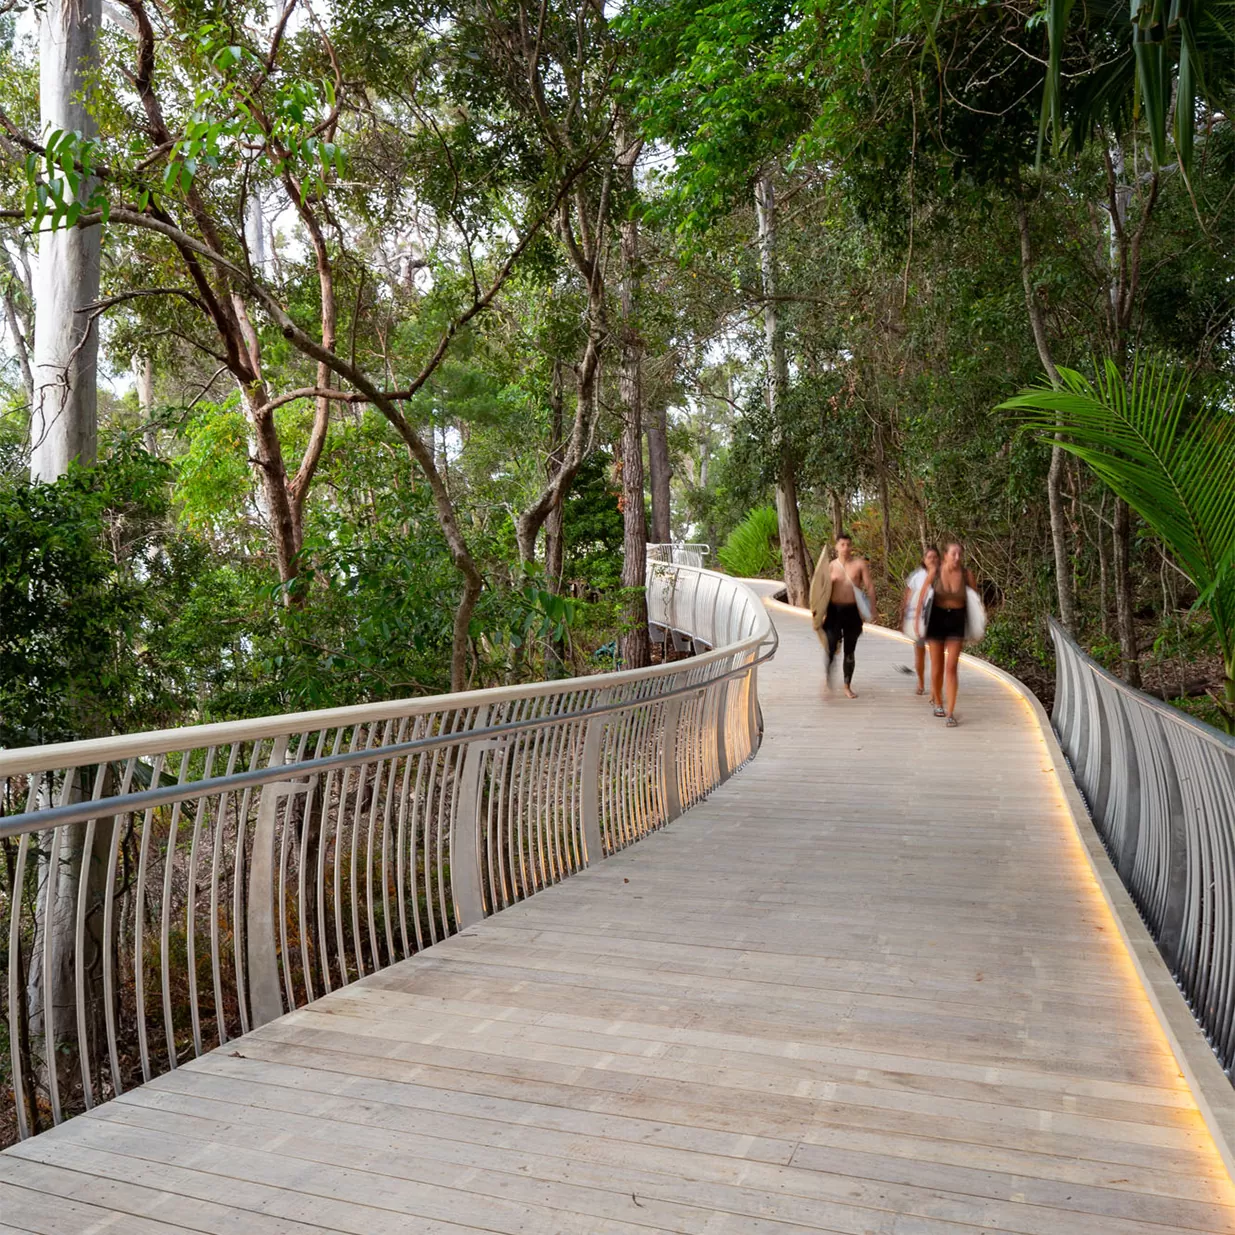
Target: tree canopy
(416, 320)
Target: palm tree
(1171, 459)
(1159, 61)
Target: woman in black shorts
(945, 628)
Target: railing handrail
(1203, 729)
(148, 799)
(86, 752)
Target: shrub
(751, 549)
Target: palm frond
(1170, 458)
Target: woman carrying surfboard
(916, 608)
(956, 615)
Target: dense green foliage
(749, 550)
(424, 212)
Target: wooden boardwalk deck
(870, 986)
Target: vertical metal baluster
(625, 768)
(617, 772)
(79, 945)
(323, 841)
(280, 904)
(645, 812)
(575, 782)
(165, 968)
(49, 902)
(651, 757)
(466, 882)
(20, 1097)
(536, 820)
(610, 838)
(562, 793)
(371, 919)
(216, 869)
(465, 719)
(340, 812)
(405, 807)
(387, 812)
(561, 733)
(432, 813)
(109, 961)
(303, 911)
(362, 782)
(574, 773)
(497, 895)
(658, 746)
(423, 761)
(553, 743)
(511, 820)
(519, 760)
(139, 918)
(191, 909)
(698, 703)
(240, 883)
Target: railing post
(671, 790)
(466, 886)
(722, 746)
(1124, 787)
(593, 842)
(1174, 912)
(265, 987)
(752, 707)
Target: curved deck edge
(1211, 1087)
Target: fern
(751, 550)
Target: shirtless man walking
(844, 619)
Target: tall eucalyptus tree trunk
(64, 415)
(792, 544)
(636, 647)
(1123, 275)
(659, 474)
(64, 430)
(143, 377)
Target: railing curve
(163, 892)
(1160, 787)
(679, 552)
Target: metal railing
(1160, 787)
(679, 553)
(163, 892)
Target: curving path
(870, 986)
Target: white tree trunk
(64, 416)
(143, 376)
(64, 428)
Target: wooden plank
(44, 1213)
(142, 1209)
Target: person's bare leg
(954, 656)
(937, 657)
(919, 663)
